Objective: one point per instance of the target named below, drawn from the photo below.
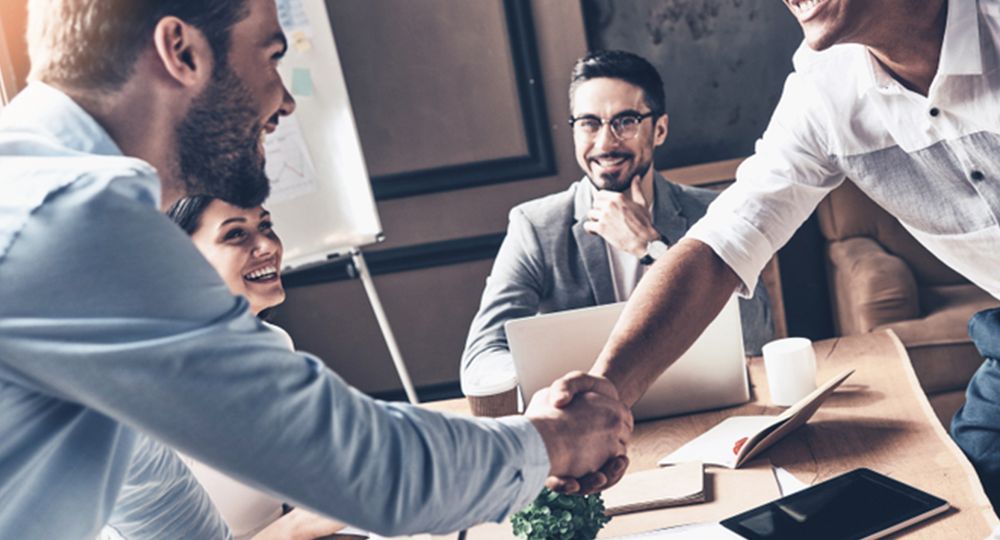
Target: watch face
(656, 249)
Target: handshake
(586, 429)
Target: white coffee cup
(790, 364)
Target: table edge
(970, 474)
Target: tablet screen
(859, 504)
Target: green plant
(553, 516)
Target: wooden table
(878, 419)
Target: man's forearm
(676, 299)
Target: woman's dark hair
(187, 211)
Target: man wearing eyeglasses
(591, 244)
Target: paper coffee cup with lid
(491, 389)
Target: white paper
(699, 531)
(288, 164)
(292, 15)
(787, 482)
(721, 444)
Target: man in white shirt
(903, 98)
(591, 244)
(114, 325)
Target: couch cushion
(944, 367)
(938, 344)
(847, 213)
(869, 286)
(946, 405)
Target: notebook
(662, 487)
(737, 439)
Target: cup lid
(488, 380)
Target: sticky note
(302, 83)
(301, 42)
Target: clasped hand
(586, 429)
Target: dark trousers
(976, 426)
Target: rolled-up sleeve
(776, 188)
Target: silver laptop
(710, 375)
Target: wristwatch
(654, 250)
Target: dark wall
(448, 122)
(723, 63)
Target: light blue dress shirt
(161, 499)
(112, 323)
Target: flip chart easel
(321, 196)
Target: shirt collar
(47, 111)
(961, 53)
(872, 74)
(960, 50)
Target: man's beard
(219, 143)
(622, 182)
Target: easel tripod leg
(383, 323)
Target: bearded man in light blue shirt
(112, 325)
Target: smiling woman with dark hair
(240, 243)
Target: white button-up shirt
(933, 162)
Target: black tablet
(860, 504)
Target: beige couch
(880, 277)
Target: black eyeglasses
(624, 126)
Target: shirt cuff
(536, 460)
(738, 243)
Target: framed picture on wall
(479, 119)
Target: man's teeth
(262, 273)
(805, 6)
(608, 162)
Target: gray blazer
(548, 262)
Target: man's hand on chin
(585, 428)
(622, 219)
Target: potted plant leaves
(553, 516)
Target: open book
(677, 485)
(737, 439)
